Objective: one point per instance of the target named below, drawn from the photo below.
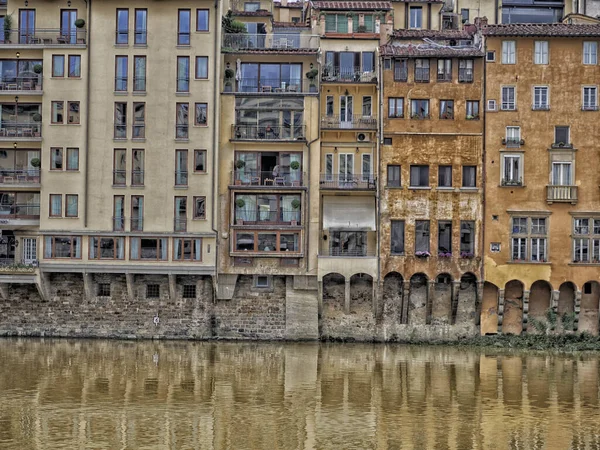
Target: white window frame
(509, 52)
(590, 53)
(508, 106)
(513, 136)
(566, 167)
(492, 105)
(540, 52)
(512, 179)
(491, 53)
(541, 106)
(539, 254)
(520, 256)
(586, 105)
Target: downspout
(216, 134)
(87, 118)
(496, 6)
(483, 169)
(378, 150)
(307, 226)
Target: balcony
(511, 182)
(28, 131)
(26, 211)
(23, 177)
(272, 86)
(348, 75)
(45, 37)
(277, 42)
(268, 133)
(31, 85)
(261, 217)
(357, 182)
(561, 194)
(354, 122)
(513, 142)
(258, 179)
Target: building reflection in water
(109, 394)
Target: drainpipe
(87, 118)
(215, 123)
(483, 169)
(378, 150)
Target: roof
(290, 25)
(543, 29)
(252, 13)
(297, 5)
(432, 34)
(419, 1)
(430, 51)
(353, 5)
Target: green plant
(80, 23)
(295, 165)
(229, 74)
(232, 26)
(240, 203)
(8, 22)
(36, 162)
(568, 321)
(361, 29)
(312, 74)
(38, 68)
(296, 203)
(37, 117)
(240, 164)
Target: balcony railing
(182, 131)
(349, 75)
(31, 83)
(118, 223)
(513, 142)
(511, 182)
(180, 224)
(561, 194)
(137, 177)
(540, 107)
(361, 252)
(268, 132)
(181, 177)
(122, 37)
(44, 36)
(136, 224)
(356, 122)
(245, 42)
(273, 86)
(254, 178)
(20, 211)
(21, 130)
(121, 84)
(19, 176)
(465, 75)
(348, 181)
(119, 177)
(246, 216)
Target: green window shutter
(330, 23)
(342, 23)
(354, 23)
(369, 23)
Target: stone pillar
(130, 291)
(88, 286)
(525, 310)
(577, 309)
(429, 303)
(500, 309)
(320, 297)
(405, 301)
(478, 302)
(347, 297)
(377, 302)
(454, 301)
(554, 301)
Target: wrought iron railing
(279, 179)
(355, 121)
(348, 181)
(20, 130)
(268, 132)
(276, 41)
(44, 36)
(349, 75)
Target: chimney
(481, 22)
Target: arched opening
(467, 299)
(417, 306)
(539, 303)
(588, 313)
(361, 293)
(441, 304)
(393, 285)
(489, 309)
(334, 290)
(566, 305)
(512, 321)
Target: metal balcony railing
(20, 211)
(245, 42)
(119, 177)
(118, 223)
(349, 75)
(121, 83)
(356, 122)
(122, 36)
(137, 224)
(182, 131)
(44, 36)
(139, 84)
(137, 177)
(513, 142)
(360, 252)
(19, 176)
(561, 194)
(180, 224)
(465, 75)
(540, 107)
(183, 84)
(274, 85)
(421, 75)
(121, 131)
(348, 181)
(23, 83)
(138, 131)
(255, 178)
(511, 182)
(181, 177)
(21, 130)
(250, 216)
(268, 132)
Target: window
(586, 240)
(74, 66)
(445, 176)
(329, 106)
(590, 53)
(447, 109)
(444, 70)
(270, 118)
(513, 136)
(469, 179)
(395, 107)
(55, 205)
(118, 213)
(263, 209)
(508, 98)
(73, 112)
(508, 52)
(181, 165)
(336, 23)
(491, 105)
(180, 214)
(366, 167)
(419, 176)
(183, 27)
(72, 158)
(121, 73)
(465, 71)
(189, 291)
(422, 237)
(422, 70)
(415, 17)
(540, 54)
(275, 241)
(561, 136)
(202, 17)
(141, 23)
(519, 239)
(200, 161)
(137, 167)
(122, 27)
(201, 115)
(120, 120)
(137, 213)
(148, 248)
(541, 98)
(139, 73)
(400, 70)
(490, 56)
(261, 281)
(71, 205)
(419, 109)
(472, 110)
(103, 290)
(464, 15)
(387, 141)
(186, 249)
(444, 238)
(201, 67)
(62, 247)
(58, 66)
(512, 170)
(58, 112)
(590, 98)
(529, 239)
(367, 102)
(562, 173)
(106, 247)
(200, 208)
(397, 237)
(119, 167)
(56, 158)
(138, 127)
(153, 291)
(182, 121)
(467, 239)
(183, 74)
(393, 176)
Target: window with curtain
(201, 114)
(74, 66)
(187, 249)
(137, 167)
(62, 247)
(447, 109)
(141, 20)
(139, 73)
(367, 102)
(137, 213)
(562, 173)
(397, 237)
(445, 176)
(183, 74)
(422, 236)
(467, 238)
(55, 205)
(336, 23)
(56, 158)
(201, 67)
(118, 213)
(139, 121)
(121, 64)
(182, 121)
(72, 204)
(444, 238)
(469, 176)
(200, 207)
(148, 248)
(508, 52)
(106, 247)
(122, 36)
(120, 120)
(181, 167)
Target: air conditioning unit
(363, 137)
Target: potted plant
(38, 68)
(295, 165)
(37, 117)
(240, 164)
(466, 255)
(422, 254)
(444, 255)
(240, 203)
(80, 23)
(295, 206)
(311, 75)
(361, 29)
(36, 162)
(229, 74)
(7, 27)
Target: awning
(351, 212)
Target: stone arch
(566, 305)
(441, 303)
(393, 291)
(512, 321)
(466, 302)
(540, 299)
(489, 309)
(590, 304)
(417, 307)
(334, 289)
(361, 292)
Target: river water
(89, 394)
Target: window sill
(199, 219)
(140, 45)
(394, 187)
(119, 186)
(469, 189)
(519, 186)
(121, 45)
(137, 186)
(445, 189)
(419, 188)
(180, 187)
(584, 264)
(200, 173)
(507, 110)
(396, 117)
(200, 126)
(201, 79)
(120, 93)
(119, 139)
(139, 93)
(182, 94)
(545, 263)
(138, 139)
(183, 46)
(182, 140)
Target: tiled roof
(429, 51)
(419, 1)
(432, 34)
(290, 25)
(353, 5)
(543, 29)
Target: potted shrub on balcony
(240, 203)
(295, 206)
(422, 254)
(466, 255)
(7, 28)
(38, 68)
(311, 75)
(229, 74)
(80, 23)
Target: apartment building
(542, 218)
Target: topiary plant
(240, 203)
(295, 165)
(80, 23)
(296, 203)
